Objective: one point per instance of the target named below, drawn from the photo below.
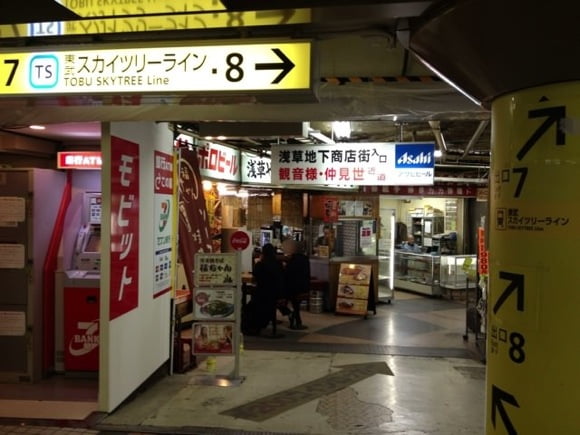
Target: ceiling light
(37, 127)
(221, 137)
(438, 153)
(341, 129)
(208, 138)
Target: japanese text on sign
(163, 189)
(215, 269)
(256, 169)
(354, 164)
(124, 227)
(219, 68)
(218, 161)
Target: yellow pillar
(533, 379)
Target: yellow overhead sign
(201, 68)
(100, 17)
(101, 8)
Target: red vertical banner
(330, 205)
(194, 235)
(124, 227)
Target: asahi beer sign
(358, 164)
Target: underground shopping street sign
(265, 66)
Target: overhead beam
(478, 132)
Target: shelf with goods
(424, 224)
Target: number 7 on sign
(14, 63)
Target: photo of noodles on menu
(353, 288)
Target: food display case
(417, 272)
(458, 272)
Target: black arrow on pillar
(553, 116)
(516, 284)
(286, 66)
(498, 397)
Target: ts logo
(43, 71)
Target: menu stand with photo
(217, 312)
(355, 295)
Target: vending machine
(80, 284)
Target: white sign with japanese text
(256, 169)
(219, 270)
(219, 162)
(201, 68)
(163, 195)
(360, 164)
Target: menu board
(353, 288)
(215, 270)
(214, 304)
(210, 338)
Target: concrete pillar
(515, 58)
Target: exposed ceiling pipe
(460, 180)
(436, 128)
(460, 166)
(478, 132)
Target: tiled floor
(406, 370)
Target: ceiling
(363, 74)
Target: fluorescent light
(208, 138)
(221, 138)
(37, 127)
(341, 129)
(438, 153)
(207, 185)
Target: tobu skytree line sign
(359, 164)
(265, 66)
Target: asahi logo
(410, 159)
(85, 339)
(414, 156)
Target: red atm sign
(79, 160)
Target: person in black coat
(296, 280)
(268, 276)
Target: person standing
(296, 280)
(268, 276)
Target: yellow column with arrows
(533, 342)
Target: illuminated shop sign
(219, 162)
(359, 164)
(203, 68)
(256, 169)
(79, 160)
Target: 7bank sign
(359, 164)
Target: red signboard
(124, 291)
(482, 253)
(163, 182)
(81, 329)
(430, 191)
(79, 160)
(330, 209)
(239, 240)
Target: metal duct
(478, 132)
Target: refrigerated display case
(458, 271)
(417, 272)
